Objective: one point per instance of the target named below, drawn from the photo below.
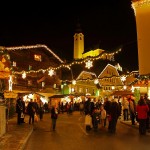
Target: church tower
(78, 43)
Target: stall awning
(58, 96)
(14, 93)
(121, 93)
(44, 94)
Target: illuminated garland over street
(105, 55)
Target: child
(88, 122)
(103, 115)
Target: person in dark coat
(87, 107)
(95, 118)
(23, 104)
(20, 108)
(54, 116)
(31, 111)
(41, 110)
(114, 114)
(107, 104)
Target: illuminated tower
(142, 14)
(78, 43)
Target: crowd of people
(113, 108)
(103, 113)
(33, 109)
(97, 113)
(138, 112)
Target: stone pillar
(2, 120)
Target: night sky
(106, 25)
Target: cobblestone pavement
(16, 135)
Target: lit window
(37, 57)
(29, 82)
(14, 64)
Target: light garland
(33, 46)
(81, 61)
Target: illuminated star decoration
(51, 72)
(24, 75)
(89, 64)
(123, 78)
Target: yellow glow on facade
(142, 8)
(93, 53)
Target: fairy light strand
(105, 55)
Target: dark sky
(105, 24)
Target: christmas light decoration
(31, 47)
(24, 75)
(105, 55)
(10, 83)
(123, 78)
(51, 72)
(89, 64)
(73, 82)
(96, 81)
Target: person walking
(31, 111)
(41, 110)
(114, 114)
(107, 105)
(142, 110)
(132, 109)
(54, 116)
(125, 107)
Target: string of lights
(88, 61)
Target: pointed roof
(78, 28)
(77, 69)
(24, 56)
